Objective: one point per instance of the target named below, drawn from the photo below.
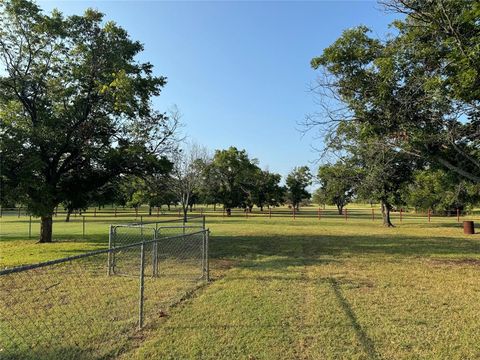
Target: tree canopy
(338, 183)
(75, 107)
(297, 182)
(418, 89)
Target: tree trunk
(214, 207)
(46, 229)
(69, 212)
(150, 210)
(386, 214)
(261, 208)
(191, 207)
(185, 213)
(168, 205)
(229, 212)
(340, 209)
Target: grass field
(309, 289)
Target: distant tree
(187, 174)
(75, 109)
(297, 182)
(439, 190)
(234, 173)
(152, 189)
(385, 174)
(267, 190)
(208, 191)
(337, 184)
(319, 197)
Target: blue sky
(239, 71)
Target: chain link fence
(92, 305)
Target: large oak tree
(418, 89)
(75, 107)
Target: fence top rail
(142, 226)
(22, 268)
(165, 221)
(182, 227)
(134, 225)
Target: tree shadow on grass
(304, 247)
(367, 343)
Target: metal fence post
(155, 254)
(204, 263)
(140, 304)
(206, 255)
(110, 255)
(203, 222)
(114, 245)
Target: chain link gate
(86, 306)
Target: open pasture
(309, 288)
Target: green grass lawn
(309, 289)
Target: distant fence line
(105, 212)
(143, 212)
(78, 226)
(88, 305)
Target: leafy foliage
(75, 107)
(338, 183)
(297, 182)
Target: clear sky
(239, 71)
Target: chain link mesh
(89, 306)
